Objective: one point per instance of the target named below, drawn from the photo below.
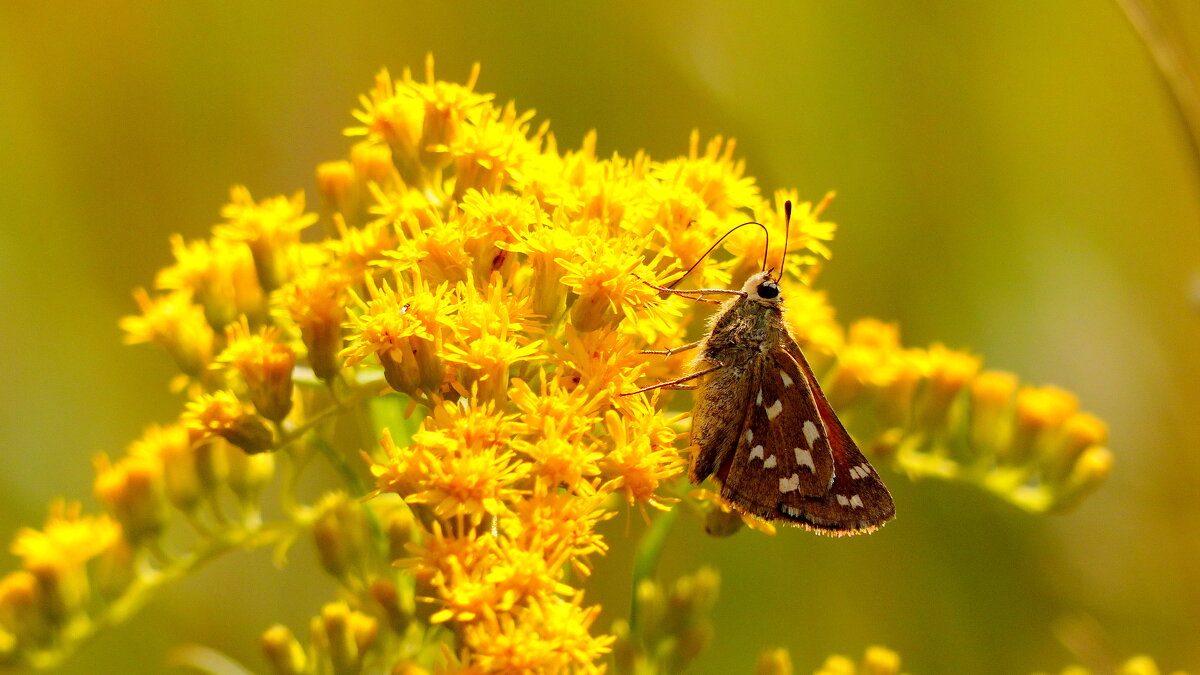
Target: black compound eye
(768, 290)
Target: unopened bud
(880, 661)
(774, 662)
(283, 652)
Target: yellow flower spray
(450, 332)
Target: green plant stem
(646, 558)
(142, 590)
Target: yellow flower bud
(1089, 471)
(397, 608)
(62, 590)
(400, 527)
(172, 448)
(1139, 665)
(845, 381)
(250, 433)
(21, 610)
(837, 665)
(406, 334)
(774, 662)
(283, 652)
(719, 522)
(337, 188)
(689, 642)
(248, 475)
(880, 661)
(265, 364)
(991, 410)
(316, 301)
(948, 374)
(652, 609)
(343, 636)
(270, 228)
(1078, 433)
(373, 164)
(176, 324)
(339, 531)
(220, 275)
(1039, 411)
(222, 414)
(132, 489)
(115, 569)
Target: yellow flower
(460, 463)
(270, 228)
(642, 457)
(608, 278)
(715, 176)
(68, 539)
(220, 275)
(558, 460)
(488, 358)
(547, 636)
(491, 223)
(222, 414)
(562, 526)
(544, 246)
(132, 489)
(555, 409)
(490, 151)
(405, 330)
(54, 584)
(174, 322)
(357, 250)
(948, 373)
(315, 301)
(264, 364)
(1039, 412)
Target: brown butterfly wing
(778, 452)
(857, 502)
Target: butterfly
(762, 426)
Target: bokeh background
(1011, 176)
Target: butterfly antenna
(718, 243)
(787, 226)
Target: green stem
(144, 589)
(649, 550)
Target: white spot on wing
(791, 511)
(758, 401)
(749, 435)
(770, 463)
(856, 502)
(756, 452)
(804, 458)
(775, 409)
(787, 380)
(788, 484)
(810, 432)
(841, 499)
(860, 471)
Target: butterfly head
(762, 287)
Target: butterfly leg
(673, 350)
(673, 384)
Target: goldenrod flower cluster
(1138, 665)
(449, 333)
(878, 660)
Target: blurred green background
(1011, 180)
